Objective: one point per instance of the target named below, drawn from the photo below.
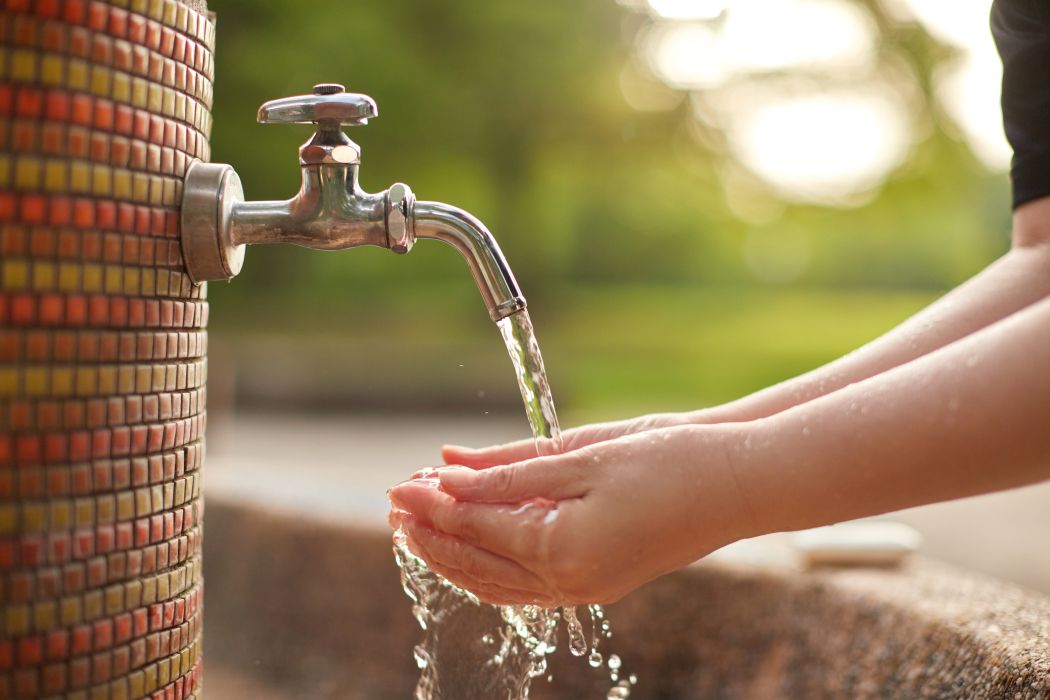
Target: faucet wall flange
(209, 193)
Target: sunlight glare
(822, 147)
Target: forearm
(1018, 279)
(969, 418)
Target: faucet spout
(468, 235)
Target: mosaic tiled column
(102, 348)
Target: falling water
(470, 649)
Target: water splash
(457, 628)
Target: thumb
(554, 478)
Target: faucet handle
(330, 106)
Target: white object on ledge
(857, 544)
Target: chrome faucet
(330, 211)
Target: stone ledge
(312, 609)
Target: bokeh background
(699, 198)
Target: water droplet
(488, 639)
(595, 659)
(633, 679)
(614, 661)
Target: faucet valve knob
(330, 106)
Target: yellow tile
(125, 379)
(157, 497)
(163, 587)
(77, 74)
(118, 690)
(139, 92)
(93, 605)
(149, 282)
(55, 177)
(122, 184)
(8, 518)
(69, 277)
(100, 80)
(143, 380)
(70, 610)
(158, 378)
(85, 511)
(92, 278)
(44, 616)
(23, 65)
(61, 515)
(43, 276)
(125, 506)
(156, 9)
(3, 62)
(156, 190)
(169, 495)
(142, 502)
(149, 590)
(80, 177)
(8, 381)
(151, 677)
(62, 381)
(172, 192)
(100, 692)
(105, 508)
(121, 86)
(87, 381)
(170, 13)
(17, 622)
(137, 684)
(36, 381)
(163, 672)
(140, 187)
(155, 98)
(102, 180)
(180, 491)
(139, 6)
(114, 599)
(132, 594)
(33, 517)
(114, 279)
(163, 281)
(132, 281)
(168, 102)
(16, 274)
(51, 69)
(27, 173)
(180, 106)
(5, 170)
(107, 380)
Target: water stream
(473, 650)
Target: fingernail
(425, 473)
(457, 448)
(457, 476)
(413, 494)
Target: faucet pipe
(330, 211)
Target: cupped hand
(585, 526)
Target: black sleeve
(1022, 33)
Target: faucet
(330, 211)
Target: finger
(513, 531)
(520, 450)
(479, 564)
(486, 592)
(554, 478)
